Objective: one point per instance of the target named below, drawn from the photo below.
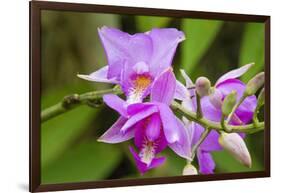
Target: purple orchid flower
(152, 124)
(211, 109)
(134, 61)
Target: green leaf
(86, 161)
(146, 23)
(199, 36)
(252, 49)
(58, 133)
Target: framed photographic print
(123, 96)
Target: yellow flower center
(142, 82)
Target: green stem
(91, 98)
(255, 116)
(223, 122)
(71, 101)
(249, 128)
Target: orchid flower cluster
(141, 64)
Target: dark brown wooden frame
(35, 93)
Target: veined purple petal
(165, 42)
(116, 103)
(99, 76)
(234, 73)
(183, 146)
(138, 117)
(120, 46)
(206, 162)
(170, 126)
(153, 127)
(163, 89)
(113, 134)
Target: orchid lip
(147, 152)
(141, 82)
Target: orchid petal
(140, 136)
(188, 104)
(165, 42)
(229, 85)
(133, 109)
(210, 143)
(163, 89)
(143, 167)
(181, 92)
(153, 128)
(190, 127)
(113, 134)
(128, 85)
(188, 81)
(170, 126)
(216, 98)
(161, 143)
(206, 162)
(156, 162)
(116, 103)
(141, 67)
(183, 146)
(246, 109)
(99, 76)
(120, 46)
(234, 73)
(138, 117)
(209, 110)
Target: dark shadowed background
(70, 45)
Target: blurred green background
(70, 45)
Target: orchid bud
(234, 144)
(261, 98)
(202, 85)
(228, 103)
(254, 84)
(215, 97)
(189, 169)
